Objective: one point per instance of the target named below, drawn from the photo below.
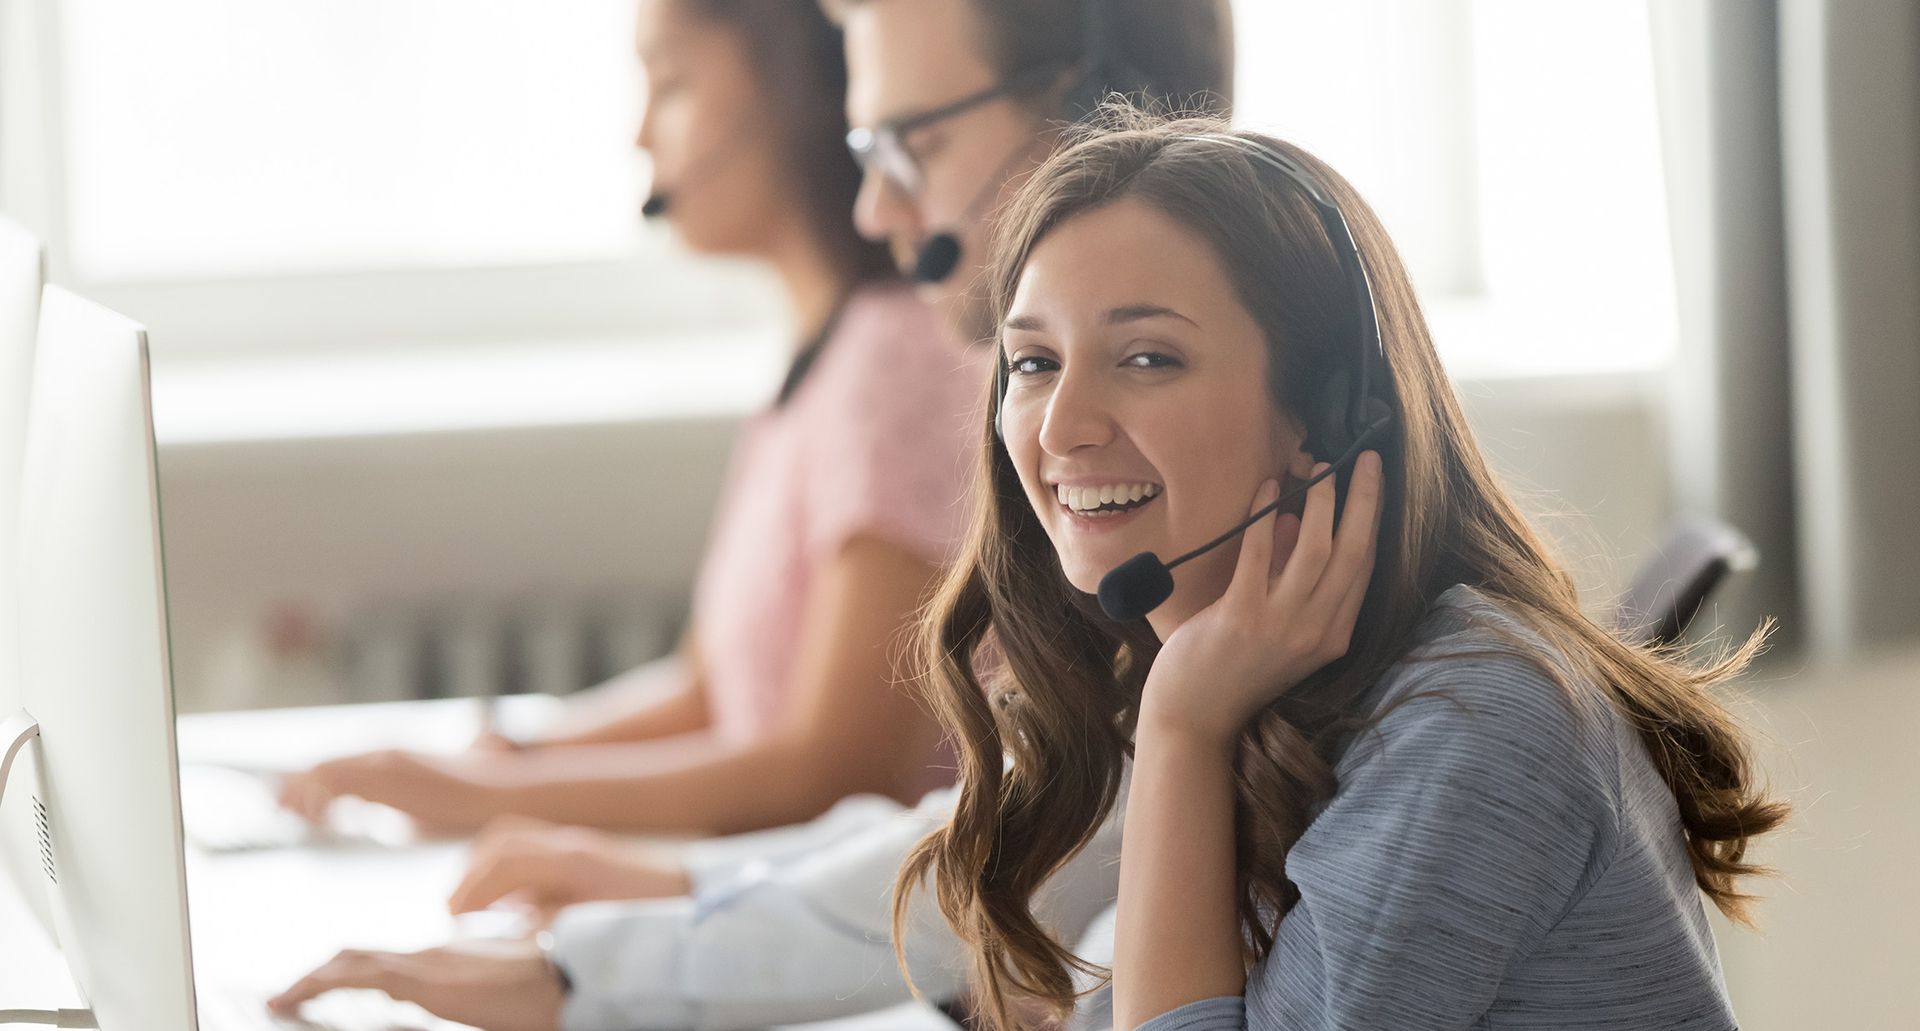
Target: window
(208, 138)
(1512, 149)
(298, 175)
(292, 176)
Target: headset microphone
(936, 258)
(1138, 586)
(940, 254)
(659, 201)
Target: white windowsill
(429, 389)
(480, 387)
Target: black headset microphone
(940, 254)
(658, 201)
(1356, 411)
(1137, 586)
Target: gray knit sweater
(1500, 853)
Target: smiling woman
(1083, 346)
(1384, 772)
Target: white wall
(341, 527)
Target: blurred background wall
(420, 372)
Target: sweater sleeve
(806, 936)
(1225, 1013)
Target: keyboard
(225, 809)
(232, 1009)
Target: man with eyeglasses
(952, 103)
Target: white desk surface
(371, 898)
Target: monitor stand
(15, 731)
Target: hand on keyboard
(232, 1009)
(548, 867)
(448, 794)
(231, 810)
(494, 985)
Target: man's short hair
(1183, 49)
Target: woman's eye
(1030, 365)
(1151, 360)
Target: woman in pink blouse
(843, 500)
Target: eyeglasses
(883, 148)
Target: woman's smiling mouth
(1101, 505)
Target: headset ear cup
(1378, 424)
(1327, 435)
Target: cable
(50, 1018)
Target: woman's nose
(643, 134)
(1077, 415)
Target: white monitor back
(96, 675)
(22, 269)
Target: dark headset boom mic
(659, 202)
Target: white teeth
(1086, 499)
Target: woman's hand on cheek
(1289, 610)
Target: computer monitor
(22, 270)
(95, 671)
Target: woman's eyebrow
(1115, 316)
(1134, 312)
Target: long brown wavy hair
(1039, 689)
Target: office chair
(1695, 559)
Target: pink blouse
(878, 440)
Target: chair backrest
(1695, 559)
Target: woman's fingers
(306, 795)
(1353, 540)
(1286, 534)
(1310, 549)
(1351, 569)
(1251, 573)
(489, 879)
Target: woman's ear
(1291, 450)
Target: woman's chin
(1085, 574)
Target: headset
(1353, 408)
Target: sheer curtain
(1792, 135)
